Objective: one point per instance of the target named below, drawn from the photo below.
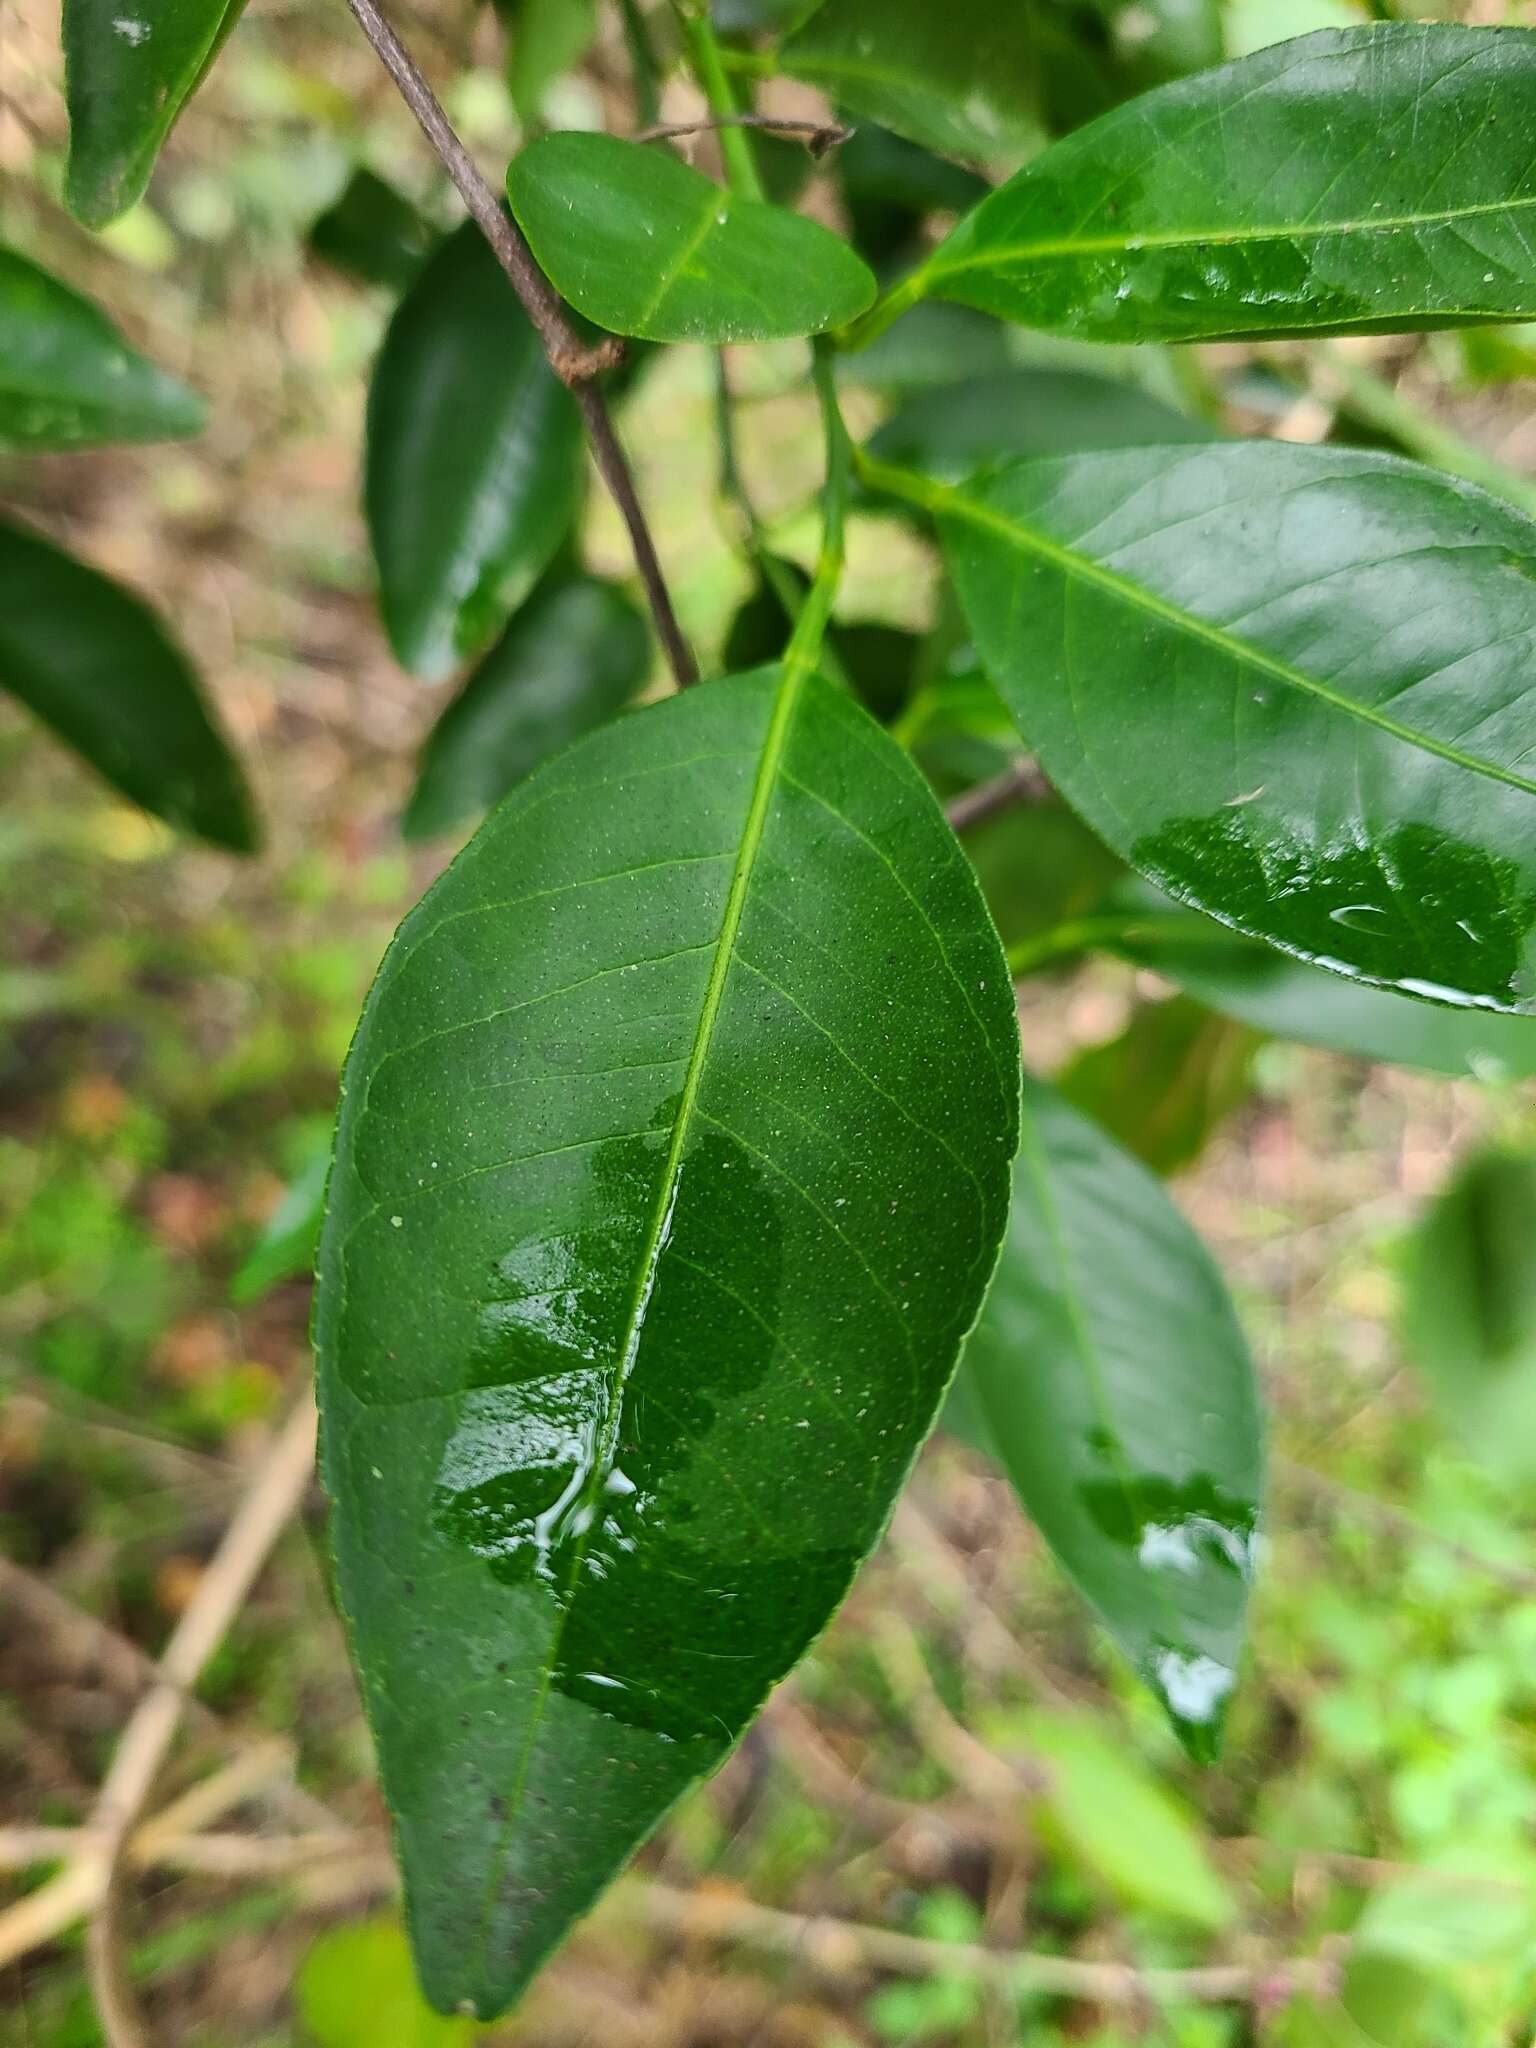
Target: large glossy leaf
(573, 656)
(67, 380)
(644, 245)
(129, 68)
(1469, 1306)
(1116, 1390)
(1292, 685)
(1166, 1084)
(960, 428)
(672, 1165)
(961, 78)
(96, 665)
(474, 461)
(1352, 181)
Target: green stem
(644, 63)
(1383, 406)
(884, 312)
(805, 644)
(704, 56)
(906, 484)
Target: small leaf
(95, 664)
(356, 1989)
(1117, 1818)
(474, 459)
(960, 428)
(650, 1245)
(1291, 685)
(643, 245)
(67, 380)
(1469, 1307)
(1115, 1389)
(373, 233)
(286, 1246)
(961, 78)
(1166, 1084)
(1324, 186)
(129, 68)
(570, 659)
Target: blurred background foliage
(961, 1772)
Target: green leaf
(954, 431)
(1284, 999)
(1167, 1082)
(286, 1246)
(1326, 186)
(356, 1989)
(875, 660)
(1116, 1391)
(643, 245)
(933, 344)
(373, 233)
(1119, 1821)
(1469, 1307)
(128, 71)
(67, 380)
(570, 659)
(672, 1165)
(549, 38)
(1291, 685)
(1039, 867)
(95, 664)
(474, 459)
(961, 78)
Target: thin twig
(1023, 783)
(572, 359)
(839, 1947)
(820, 136)
(264, 1511)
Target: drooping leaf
(1469, 1306)
(644, 245)
(549, 38)
(373, 233)
(96, 665)
(1329, 185)
(129, 68)
(1116, 1391)
(1291, 685)
(959, 428)
(67, 379)
(1115, 1816)
(571, 658)
(672, 1163)
(961, 78)
(356, 1989)
(286, 1246)
(1166, 1084)
(474, 459)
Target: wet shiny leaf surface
(67, 378)
(1350, 181)
(961, 78)
(1116, 1391)
(644, 245)
(96, 665)
(129, 68)
(672, 1164)
(1292, 685)
(572, 657)
(474, 459)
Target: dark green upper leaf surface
(1294, 686)
(961, 78)
(643, 245)
(960, 428)
(1354, 180)
(373, 232)
(474, 459)
(95, 664)
(672, 1165)
(129, 67)
(1117, 1392)
(67, 380)
(573, 656)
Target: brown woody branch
(820, 136)
(575, 362)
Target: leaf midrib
(798, 666)
(955, 504)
